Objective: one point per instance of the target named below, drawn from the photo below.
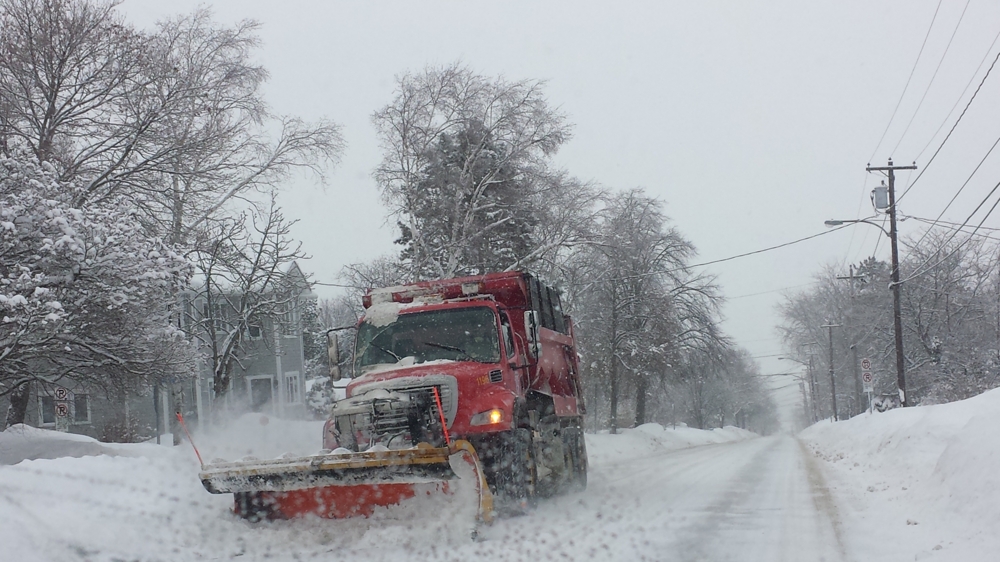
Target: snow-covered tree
(639, 309)
(950, 304)
(465, 173)
(85, 295)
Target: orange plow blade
(349, 485)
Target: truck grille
(447, 387)
(427, 393)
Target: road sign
(62, 409)
(61, 393)
(866, 364)
(866, 377)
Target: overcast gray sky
(752, 121)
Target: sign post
(868, 380)
(61, 404)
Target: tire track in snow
(773, 506)
(821, 496)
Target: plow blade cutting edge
(347, 485)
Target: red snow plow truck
(459, 383)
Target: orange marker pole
(180, 418)
(444, 424)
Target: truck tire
(515, 472)
(576, 447)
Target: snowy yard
(915, 484)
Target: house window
(292, 385)
(47, 410)
(254, 332)
(81, 408)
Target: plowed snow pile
(146, 503)
(921, 483)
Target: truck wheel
(515, 473)
(576, 447)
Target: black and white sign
(867, 378)
(62, 409)
(866, 364)
(61, 393)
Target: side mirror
(531, 329)
(333, 352)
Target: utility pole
(854, 348)
(813, 383)
(857, 381)
(833, 380)
(813, 389)
(897, 317)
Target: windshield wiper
(450, 348)
(398, 358)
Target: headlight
(488, 417)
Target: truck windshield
(464, 334)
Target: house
(269, 376)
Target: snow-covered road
(741, 498)
(759, 499)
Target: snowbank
(926, 478)
(22, 442)
(653, 438)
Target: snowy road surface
(760, 499)
(748, 500)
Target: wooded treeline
(138, 170)
(950, 302)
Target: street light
(835, 222)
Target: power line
(907, 85)
(766, 356)
(948, 136)
(933, 76)
(881, 232)
(771, 291)
(946, 223)
(960, 189)
(761, 251)
(960, 96)
(850, 243)
(918, 272)
(955, 226)
(730, 258)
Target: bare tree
(67, 71)
(173, 119)
(245, 287)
